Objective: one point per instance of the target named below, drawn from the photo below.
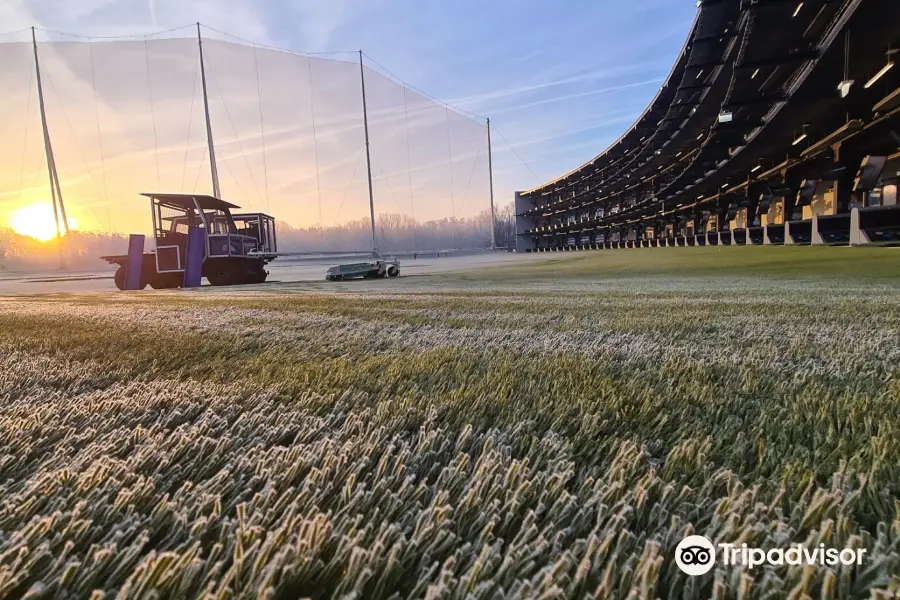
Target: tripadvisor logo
(696, 555)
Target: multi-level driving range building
(779, 123)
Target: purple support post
(135, 263)
(196, 251)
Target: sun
(36, 220)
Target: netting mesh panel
(469, 179)
(127, 116)
(23, 174)
(289, 138)
(340, 143)
(429, 170)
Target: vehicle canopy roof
(186, 201)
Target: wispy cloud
(590, 76)
(566, 97)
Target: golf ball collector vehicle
(371, 269)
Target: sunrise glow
(36, 220)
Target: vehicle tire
(393, 271)
(257, 274)
(221, 274)
(166, 281)
(119, 277)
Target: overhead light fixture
(879, 74)
(724, 185)
(756, 168)
(801, 137)
(797, 10)
(679, 154)
(726, 117)
(755, 73)
(844, 87)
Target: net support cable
(81, 153)
(199, 171)
(450, 165)
(187, 142)
(100, 140)
(349, 184)
(490, 186)
(521, 160)
(152, 116)
(262, 129)
(312, 114)
(471, 173)
(412, 202)
(240, 146)
(25, 138)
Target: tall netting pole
(59, 196)
(362, 77)
(491, 185)
(209, 137)
(55, 191)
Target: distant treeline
(399, 232)
(395, 232)
(80, 250)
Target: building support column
(843, 184)
(816, 238)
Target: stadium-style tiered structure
(778, 124)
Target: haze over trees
(396, 232)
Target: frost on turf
(456, 445)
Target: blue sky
(560, 80)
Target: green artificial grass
(543, 430)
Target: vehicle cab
(225, 235)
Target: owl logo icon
(695, 555)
